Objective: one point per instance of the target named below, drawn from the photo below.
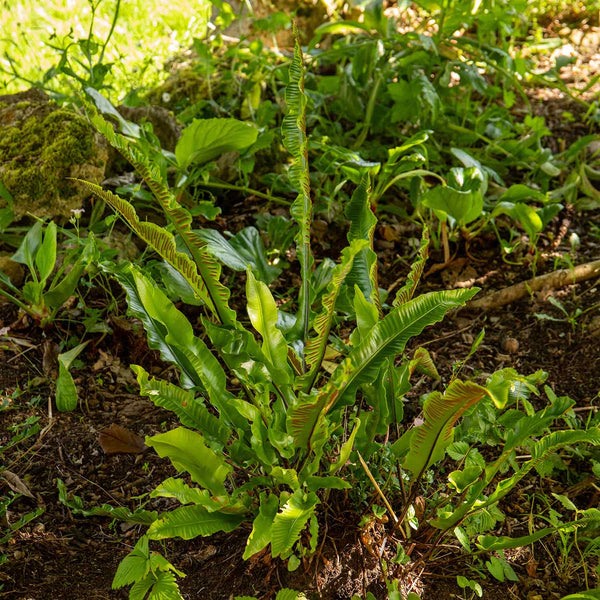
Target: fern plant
(268, 422)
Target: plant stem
(246, 190)
(369, 115)
(377, 488)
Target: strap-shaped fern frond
(208, 267)
(293, 131)
(159, 239)
(384, 341)
(362, 227)
(316, 346)
(389, 336)
(429, 441)
(190, 409)
(306, 418)
(405, 293)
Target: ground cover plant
(332, 423)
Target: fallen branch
(556, 279)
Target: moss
(183, 88)
(40, 147)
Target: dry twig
(556, 279)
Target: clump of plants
(278, 408)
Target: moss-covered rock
(41, 147)
(183, 88)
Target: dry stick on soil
(556, 279)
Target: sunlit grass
(147, 32)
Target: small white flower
(77, 212)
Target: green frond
(316, 346)
(159, 239)
(429, 441)
(208, 267)
(388, 338)
(362, 227)
(405, 293)
(188, 522)
(293, 131)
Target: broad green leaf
(293, 131)
(188, 452)
(461, 480)
(205, 139)
(587, 595)
(462, 206)
(66, 391)
(165, 587)
(359, 212)
(67, 358)
(522, 193)
(260, 536)
(287, 477)
(305, 418)
(183, 493)
(156, 585)
(170, 332)
(45, 257)
(147, 302)
(429, 442)
(188, 522)
(367, 316)
(139, 590)
(345, 450)
(262, 311)
(26, 252)
(134, 566)
(244, 249)
(523, 214)
(290, 521)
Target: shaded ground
(62, 555)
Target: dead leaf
(50, 359)
(531, 566)
(389, 233)
(15, 483)
(117, 439)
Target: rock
(164, 124)
(41, 146)
(13, 269)
(309, 14)
(594, 327)
(183, 88)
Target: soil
(64, 555)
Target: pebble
(510, 345)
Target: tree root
(556, 279)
